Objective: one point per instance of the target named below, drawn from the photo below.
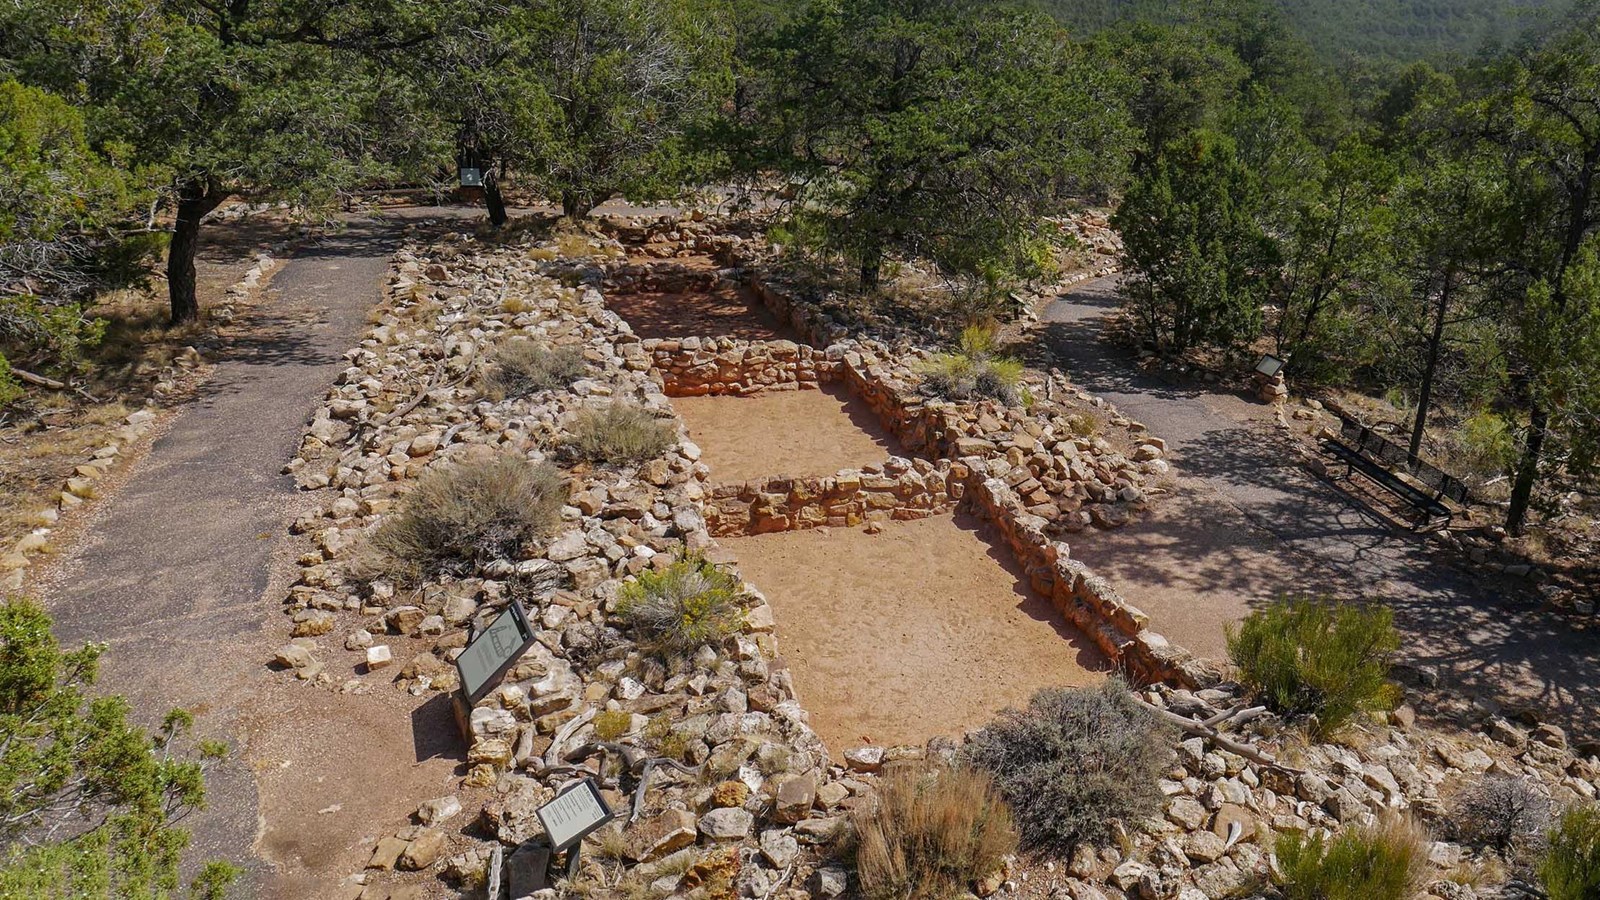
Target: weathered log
(38, 380)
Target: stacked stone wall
(1120, 629)
(697, 367)
(898, 490)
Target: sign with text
(492, 651)
(573, 814)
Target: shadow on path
(1482, 633)
(181, 572)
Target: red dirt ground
(784, 433)
(922, 630)
(726, 312)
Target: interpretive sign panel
(492, 652)
(573, 814)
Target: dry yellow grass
(931, 834)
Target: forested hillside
(1367, 29)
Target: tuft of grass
(1082, 424)
(1073, 761)
(612, 724)
(620, 434)
(1317, 659)
(1569, 869)
(678, 609)
(665, 739)
(610, 843)
(931, 834)
(974, 371)
(1386, 861)
(462, 515)
(522, 368)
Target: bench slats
(1374, 448)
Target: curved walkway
(182, 572)
(1246, 524)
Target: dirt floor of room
(925, 629)
(727, 311)
(799, 433)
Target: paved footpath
(1484, 638)
(182, 572)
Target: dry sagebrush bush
(464, 514)
(1073, 761)
(620, 434)
(682, 607)
(1505, 814)
(931, 834)
(1316, 658)
(1386, 861)
(522, 368)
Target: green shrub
(931, 834)
(974, 370)
(682, 607)
(460, 516)
(1486, 444)
(1073, 761)
(620, 434)
(521, 368)
(1570, 866)
(91, 804)
(1383, 862)
(1316, 658)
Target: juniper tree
(255, 97)
(89, 802)
(932, 128)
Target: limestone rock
(657, 836)
(727, 824)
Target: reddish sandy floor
(727, 312)
(784, 433)
(923, 630)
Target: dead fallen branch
(1190, 726)
(38, 380)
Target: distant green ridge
(1376, 30)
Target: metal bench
(1364, 450)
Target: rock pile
(409, 400)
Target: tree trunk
(493, 199)
(871, 266)
(572, 204)
(1527, 471)
(1425, 394)
(194, 201)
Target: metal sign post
(573, 815)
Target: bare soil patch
(1195, 564)
(726, 311)
(801, 433)
(925, 629)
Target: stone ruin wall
(953, 462)
(1118, 628)
(697, 367)
(897, 490)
